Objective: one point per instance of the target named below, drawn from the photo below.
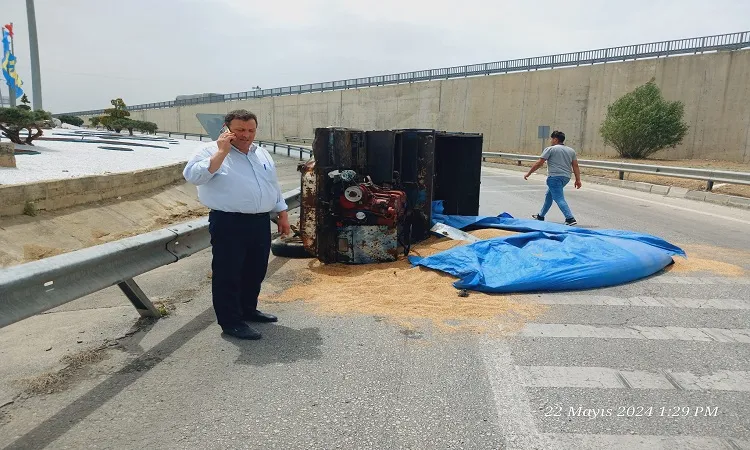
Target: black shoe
(257, 316)
(571, 221)
(242, 332)
(538, 217)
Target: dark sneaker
(538, 217)
(242, 332)
(571, 221)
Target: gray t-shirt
(559, 159)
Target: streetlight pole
(36, 76)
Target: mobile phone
(224, 129)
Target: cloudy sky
(153, 50)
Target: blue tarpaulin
(546, 256)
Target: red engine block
(387, 206)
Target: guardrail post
(170, 134)
(186, 136)
(709, 185)
(288, 150)
(621, 175)
(519, 162)
(274, 148)
(136, 296)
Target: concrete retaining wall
(508, 108)
(57, 194)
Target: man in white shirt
(237, 180)
(561, 164)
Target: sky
(153, 50)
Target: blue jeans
(555, 187)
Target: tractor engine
(367, 204)
(368, 219)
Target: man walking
(561, 161)
(237, 180)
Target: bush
(116, 119)
(146, 127)
(72, 120)
(15, 120)
(118, 125)
(641, 123)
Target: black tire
(289, 248)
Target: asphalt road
(660, 363)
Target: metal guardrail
(731, 41)
(707, 175)
(32, 288)
(269, 145)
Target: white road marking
(609, 378)
(644, 442)
(662, 302)
(515, 420)
(554, 330)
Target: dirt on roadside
(696, 185)
(51, 233)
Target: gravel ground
(58, 160)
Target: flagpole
(12, 89)
(36, 76)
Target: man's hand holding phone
(225, 140)
(225, 146)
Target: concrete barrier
(58, 194)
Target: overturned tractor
(367, 195)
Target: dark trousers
(241, 244)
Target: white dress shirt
(244, 183)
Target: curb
(657, 189)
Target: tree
(15, 120)
(72, 120)
(24, 103)
(641, 122)
(146, 127)
(112, 120)
(119, 111)
(116, 119)
(118, 124)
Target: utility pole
(36, 76)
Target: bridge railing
(722, 42)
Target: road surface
(660, 363)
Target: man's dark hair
(240, 114)
(559, 135)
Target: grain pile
(691, 264)
(401, 292)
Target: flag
(8, 64)
(10, 29)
